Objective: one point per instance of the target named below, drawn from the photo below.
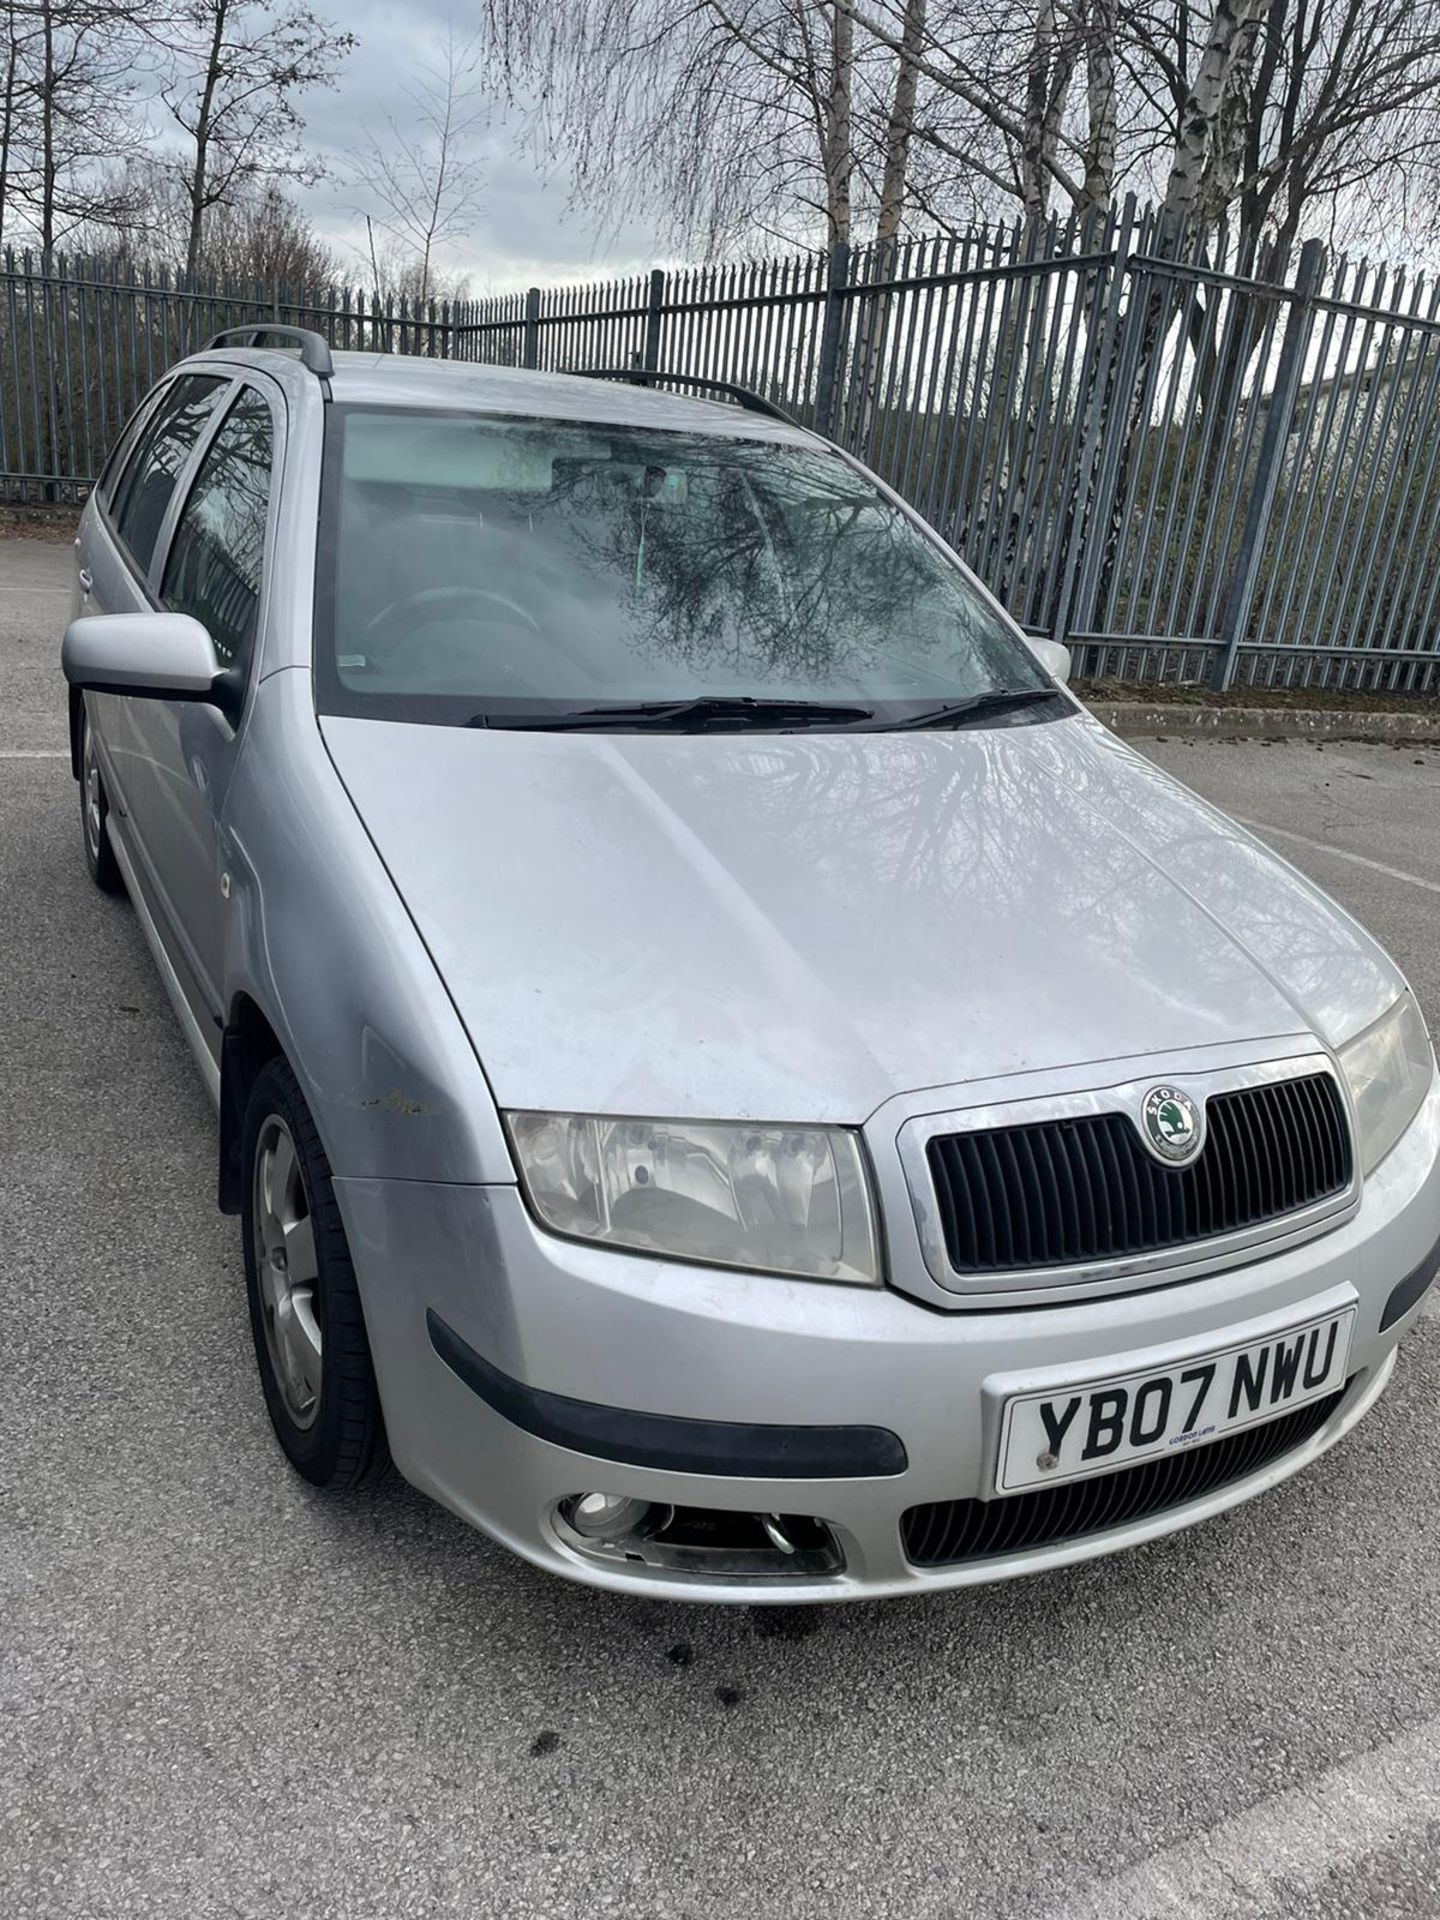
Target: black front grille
(1062, 1192)
(948, 1531)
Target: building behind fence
(1185, 474)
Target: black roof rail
(314, 348)
(648, 376)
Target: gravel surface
(223, 1695)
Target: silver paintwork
(884, 931)
(200, 1039)
(1054, 657)
(817, 924)
(113, 653)
(611, 1327)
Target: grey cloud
(526, 231)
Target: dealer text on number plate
(1094, 1425)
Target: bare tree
(717, 117)
(263, 235)
(1284, 116)
(1098, 153)
(900, 126)
(807, 116)
(397, 274)
(1343, 121)
(873, 323)
(837, 147)
(70, 107)
(419, 182)
(237, 70)
(1296, 116)
(1048, 73)
(258, 234)
(9, 107)
(1224, 60)
(997, 104)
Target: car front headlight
(1389, 1068)
(791, 1200)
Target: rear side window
(217, 556)
(120, 452)
(146, 486)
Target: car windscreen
(482, 570)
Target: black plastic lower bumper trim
(672, 1442)
(1411, 1289)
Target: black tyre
(310, 1342)
(95, 816)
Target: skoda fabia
(728, 1075)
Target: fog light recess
(709, 1542)
(612, 1516)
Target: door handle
(87, 580)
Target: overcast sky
(525, 232)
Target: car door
(118, 554)
(211, 564)
(132, 508)
(96, 538)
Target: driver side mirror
(1053, 657)
(146, 656)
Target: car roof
(408, 380)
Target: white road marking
(1338, 853)
(47, 586)
(34, 753)
(1285, 1845)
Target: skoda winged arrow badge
(1173, 1126)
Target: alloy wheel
(90, 776)
(287, 1271)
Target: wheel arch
(247, 1044)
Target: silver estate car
(728, 1074)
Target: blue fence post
(1279, 418)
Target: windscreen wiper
(703, 713)
(980, 706)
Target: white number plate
(1071, 1431)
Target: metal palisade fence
(1185, 473)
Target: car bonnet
(800, 926)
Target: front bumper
(604, 1330)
